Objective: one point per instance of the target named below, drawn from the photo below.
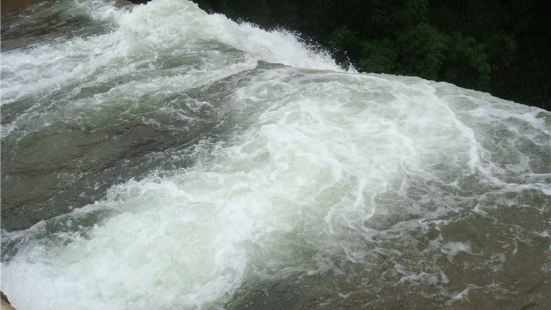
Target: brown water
(8, 6)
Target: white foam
(306, 174)
(142, 34)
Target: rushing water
(157, 157)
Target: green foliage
(378, 56)
(416, 11)
(421, 51)
(501, 46)
(501, 49)
(343, 42)
(466, 62)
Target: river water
(158, 157)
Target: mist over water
(158, 157)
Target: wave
(306, 175)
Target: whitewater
(160, 157)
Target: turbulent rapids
(158, 157)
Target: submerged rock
(5, 303)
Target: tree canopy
(499, 46)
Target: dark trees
(500, 46)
